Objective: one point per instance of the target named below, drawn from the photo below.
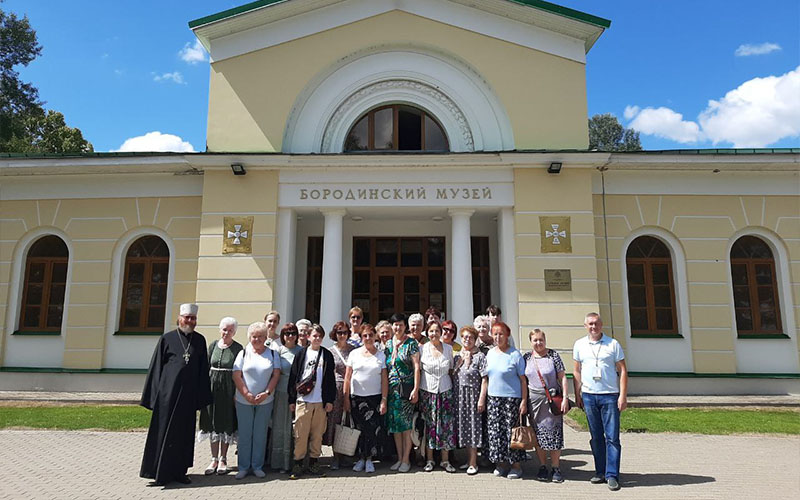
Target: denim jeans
(603, 416)
(253, 422)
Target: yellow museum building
(397, 154)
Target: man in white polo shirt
(602, 395)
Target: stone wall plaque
(237, 235)
(557, 280)
(556, 234)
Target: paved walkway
(105, 465)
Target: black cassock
(174, 390)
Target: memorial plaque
(557, 280)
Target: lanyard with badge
(598, 372)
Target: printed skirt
(438, 410)
(502, 415)
(366, 412)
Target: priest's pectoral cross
(186, 357)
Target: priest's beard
(185, 329)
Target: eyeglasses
(355, 317)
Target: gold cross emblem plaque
(237, 235)
(556, 234)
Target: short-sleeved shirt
(401, 366)
(504, 369)
(309, 364)
(366, 378)
(603, 354)
(257, 371)
(436, 366)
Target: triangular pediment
(535, 24)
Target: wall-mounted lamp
(554, 168)
(238, 169)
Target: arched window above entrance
(396, 128)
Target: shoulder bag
(553, 394)
(306, 385)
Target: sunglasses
(451, 330)
(290, 334)
(355, 317)
(342, 332)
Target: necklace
(186, 354)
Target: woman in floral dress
(438, 398)
(402, 361)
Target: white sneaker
(259, 473)
(369, 467)
(242, 474)
(359, 466)
(472, 470)
(404, 468)
(396, 465)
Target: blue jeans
(253, 422)
(603, 416)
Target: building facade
(396, 155)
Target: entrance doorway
(398, 275)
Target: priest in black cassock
(177, 387)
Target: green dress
(281, 440)
(218, 420)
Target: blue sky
(687, 74)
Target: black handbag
(306, 385)
(405, 389)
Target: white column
(508, 274)
(460, 267)
(283, 289)
(331, 303)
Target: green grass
(108, 418)
(703, 421)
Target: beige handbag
(523, 437)
(345, 441)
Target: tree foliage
(606, 133)
(25, 126)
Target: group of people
(281, 396)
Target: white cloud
(175, 76)
(757, 113)
(193, 53)
(156, 141)
(631, 111)
(751, 49)
(663, 122)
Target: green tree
(606, 133)
(25, 127)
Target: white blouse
(436, 366)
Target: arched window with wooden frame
(755, 287)
(397, 127)
(144, 289)
(651, 290)
(45, 286)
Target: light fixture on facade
(437, 218)
(554, 168)
(238, 169)
(356, 218)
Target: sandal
(429, 466)
(448, 466)
(222, 469)
(212, 467)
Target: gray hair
(303, 323)
(480, 319)
(228, 320)
(592, 315)
(416, 317)
(256, 327)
